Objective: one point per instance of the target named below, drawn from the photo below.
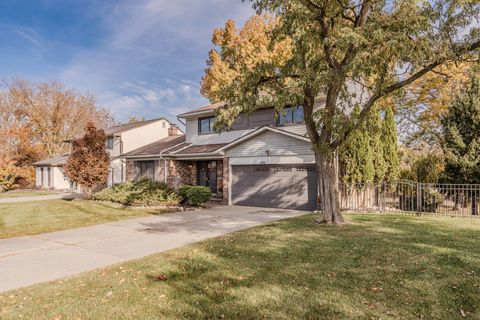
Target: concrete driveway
(33, 259)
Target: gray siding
(277, 186)
(278, 144)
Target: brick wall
(181, 172)
(159, 170)
(225, 180)
(173, 130)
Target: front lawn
(23, 193)
(34, 217)
(376, 267)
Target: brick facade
(225, 180)
(181, 172)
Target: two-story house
(120, 139)
(263, 160)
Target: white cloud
(146, 100)
(153, 54)
(29, 35)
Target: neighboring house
(263, 160)
(120, 139)
(49, 174)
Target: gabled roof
(128, 126)
(260, 130)
(57, 161)
(203, 109)
(156, 147)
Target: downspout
(182, 122)
(165, 173)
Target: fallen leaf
(161, 277)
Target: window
(205, 125)
(110, 143)
(291, 115)
(145, 169)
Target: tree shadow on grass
(378, 267)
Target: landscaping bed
(374, 267)
(148, 193)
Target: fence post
(419, 197)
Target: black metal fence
(405, 196)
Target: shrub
(195, 195)
(139, 193)
(13, 177)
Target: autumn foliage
(88, 163)
(36, 120)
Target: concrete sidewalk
(40, 198)
(28, 260)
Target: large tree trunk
(328, 189)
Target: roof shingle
(204, 148)
(156, 147)
(57, 161)
(212, 106)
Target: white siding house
(120, 139)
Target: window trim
(210, 124)
(108, 143)
(292, 120)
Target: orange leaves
(241, 50)
(88, 163)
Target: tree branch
(314, 8)
(398, 85)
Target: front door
(207, 174)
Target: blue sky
(141, 58)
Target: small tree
(390, 150)
(375, 125)
(461, 135)
(88, 162)
(357, 158)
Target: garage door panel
(282, 186)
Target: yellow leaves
(241, 50)
(428, 98)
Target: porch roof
(196, 149)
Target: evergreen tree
(390, 152)
(461, 134)
(375, 126)
(356, 156)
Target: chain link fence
(405, 196)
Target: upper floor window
(110, 143)
(205, 125)
(291, 115)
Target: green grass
(376, 267)
(34, 217)
(20, 193)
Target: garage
(275, 186)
